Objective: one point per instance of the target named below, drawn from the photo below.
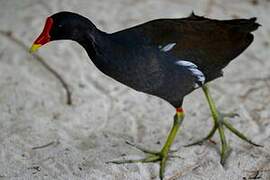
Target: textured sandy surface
(80, 138)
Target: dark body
(210, 44)
(135, 57)
(168, 58)
(145, 68)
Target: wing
(163, 74)
(210, 44)
(181, 78)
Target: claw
(225, 155)
(162, 167)
(212, 141)
(229, 115)
(175, 156)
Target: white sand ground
(80, 138)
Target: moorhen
(168, 58)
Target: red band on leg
(179, 110)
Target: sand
(42, 137)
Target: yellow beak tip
(34, 48)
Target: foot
(151, 157)
(165, 153)
(212, 132)
(220, 124)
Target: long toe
(238, 133)
(141, 148)
(150, 158)
(208, 137)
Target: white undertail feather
(195, 71)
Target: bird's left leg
(220, 123)
(162, 155)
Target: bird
(167, 58)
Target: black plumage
(168, 58)
(134, 57)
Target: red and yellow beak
(44, 37)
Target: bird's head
(62, 26)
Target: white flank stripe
(198, 74)
(168, 47)
(193, 68)
(186, 63)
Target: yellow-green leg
(221, 122)
(162, 155)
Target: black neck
(91, 41)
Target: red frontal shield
(45, 37)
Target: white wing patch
(167, 48)
(194, 70)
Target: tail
(243, 25)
